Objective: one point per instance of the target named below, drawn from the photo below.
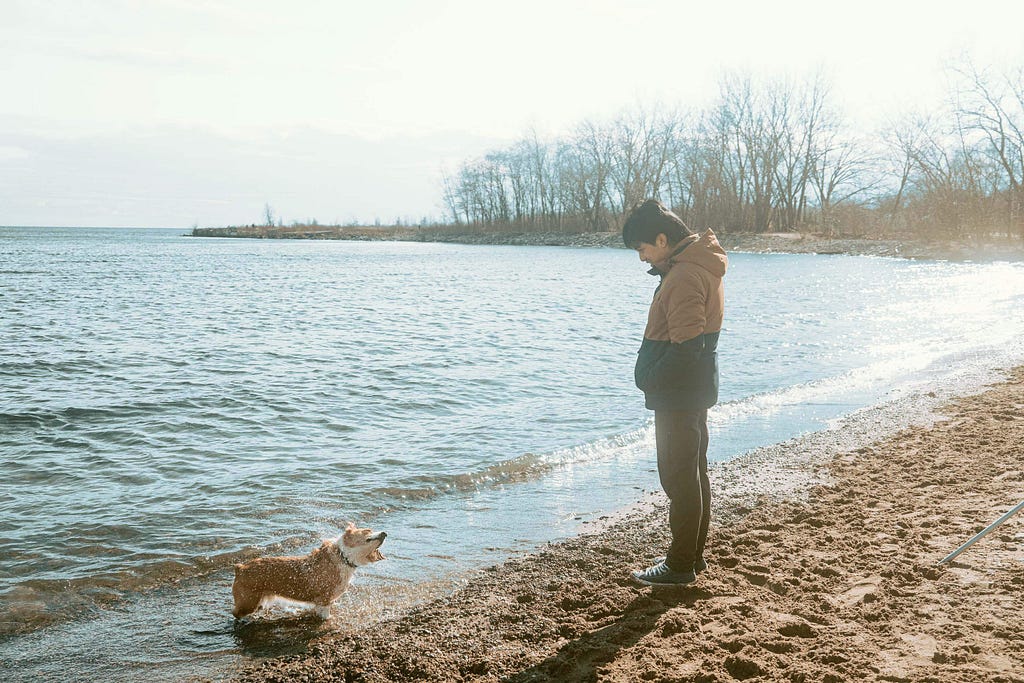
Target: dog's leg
(245, 608)
(245, 601)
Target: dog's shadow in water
(279, 636)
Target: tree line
(768, 156)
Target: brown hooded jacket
(677, 365)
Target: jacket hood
(701, 250)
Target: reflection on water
(276, 635)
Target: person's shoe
(661, 575)
(698, 566)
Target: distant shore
(792, 243)
(835, 579)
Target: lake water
(171, 405)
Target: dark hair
(649, 220)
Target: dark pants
(682, 441)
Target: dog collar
(345, 560)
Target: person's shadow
(579, 660)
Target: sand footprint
(863, 591)
(794, 626)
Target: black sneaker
(661, 575)
(698, 566)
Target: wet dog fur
(318, 578)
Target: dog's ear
(348, 538)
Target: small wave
(828, 388)
(21, 368)
(525, 467)
(50, 418)
(47, 419)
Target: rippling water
(169, 405)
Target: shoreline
(822, 568)
(1006, 249)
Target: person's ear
(661, 241)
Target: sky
(174, 113)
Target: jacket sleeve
(684, 306)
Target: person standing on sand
(677, 369)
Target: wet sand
(822, 568)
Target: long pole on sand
(981, 534)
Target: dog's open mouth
(378, 538)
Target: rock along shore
(793, 243)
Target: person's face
(658, 252)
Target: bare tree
(901, 142)
(840, 172)
(642, 140)
(450, 197)
(589, 166)
(992, 106)
(806, 126)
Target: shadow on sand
(580, 659)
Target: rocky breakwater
(788, 242)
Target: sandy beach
(834, 578)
